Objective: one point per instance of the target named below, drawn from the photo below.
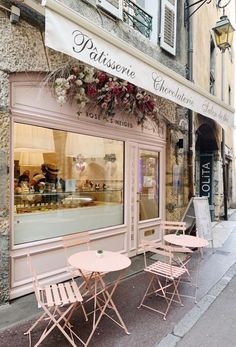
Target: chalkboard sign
(198, 215)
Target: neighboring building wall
(203, 21)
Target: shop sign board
(90, 48)
(206, 161)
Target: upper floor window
(135, 15)
(156, 20)
(168, 22)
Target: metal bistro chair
(164, 276)
(183, 256)
(57, 301)
(87, 284)
(70, 242)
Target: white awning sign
(89, 48)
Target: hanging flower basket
(85, 84)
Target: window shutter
(168, 25)
(113, 7)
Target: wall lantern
(223, 32)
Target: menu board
(198, 215)
(203, 218)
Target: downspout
(190, 112)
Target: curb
(191, 318)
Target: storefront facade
(113, 176)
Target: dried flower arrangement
(85, 84)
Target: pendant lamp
(29, 138)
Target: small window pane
(65, 183)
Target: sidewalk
(216, 327)
(147, 328)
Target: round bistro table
(97, 264)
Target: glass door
(149, 192)
(149, 163)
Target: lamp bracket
(222, 3)
(198, 3)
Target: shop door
(148, 195)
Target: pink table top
(90, 261)
(186, 241)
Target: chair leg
(145, 294)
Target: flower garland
(84, 84)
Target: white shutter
(168, 25)
(113, 7)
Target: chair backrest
(173, 227)
(35, 282)
(157, 248)
(74, 240)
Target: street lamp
(223, 32)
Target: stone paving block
(169, 340)
(217, 289)
(205, 302)
(187, 322)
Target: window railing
(136, 17)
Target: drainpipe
(225, 193)
(190, 112)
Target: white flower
(82, 91)
(88, 79)
(61, 99)
(60, 80)
(81, 75)
(79, 82)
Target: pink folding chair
(58, 302)
(164, 277)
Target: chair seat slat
(57, 299)
(63, 294)
(166, 269)
(70, 293)
(49, 297)
(76, 291)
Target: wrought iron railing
(136, 17)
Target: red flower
(129, 88)
(150, 105)
(116, 91)
(101, 76)
(91, 90)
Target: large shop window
(64, 183)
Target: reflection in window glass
(148, 185)
(65, 183)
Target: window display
(64, 183)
